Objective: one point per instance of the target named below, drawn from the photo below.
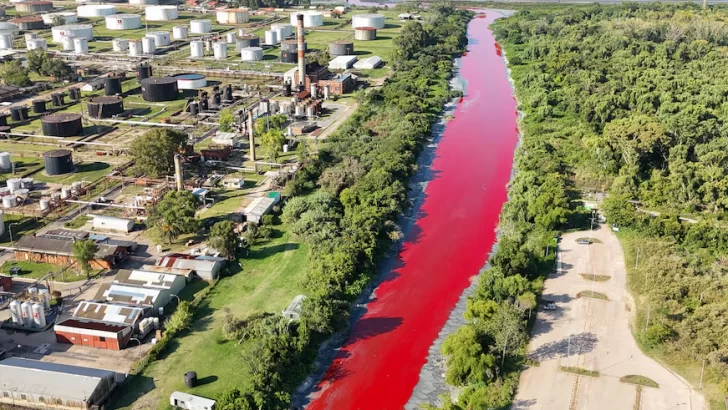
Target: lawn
(21, 226)
(36, 270)
(268, 282)
(85, 171)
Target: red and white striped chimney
(301, 52)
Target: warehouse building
(259, 207)
(342, 62)
(60, 252)
(139, 296)
(92, 333)
(369, 63)
(35, 384)
(104, 312)
(205, 267)
(186, 273)
(110, 223)
(173, 283)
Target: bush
(655, 335)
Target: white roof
(148, 279)
(195, 265)
(259, 206)
(162, 269)
(104, 312)
(133, 294)
(370, 62)
(51, 380)
(225, 135)
(113, 220)
(194, 400)
(342, 62)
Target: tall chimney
(301, 53)
(178, 173)
(251, 137)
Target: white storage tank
(161, 38)
(232, 16)
(65, 192)
(15, 313)
(14, 184)
(6, 41)
(39, 319)
(36, 44)
(123, 21)
(26, 314)
(180, 32)
(120, 44)
(148, 45)
(161, 13)
(44, 204)
(5, 161)
(26, 183)
(2, 223)
(80, 45)
(200, 26)
(135, 48)
(144, 2)
(368, 20)
(72, 30)
(284, 29)
(45, 298)
(197, 49)
(67, 17)
(95, 10)
(220, 50)
(230, 38)
(271, 37)
(67, 43)
(310, 19)
(9, 201)
(251, 54)
(30, 36)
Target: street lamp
(178, 299)
(10, 229)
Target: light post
(140, 345)
(10, 230)
(178, 299)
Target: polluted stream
(453, 231)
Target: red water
(378, 366)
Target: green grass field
(36, 270)
(85, 171)
(268, 282)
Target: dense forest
(355, 191)
(631, 100)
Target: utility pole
(700, 386)
(705, 4)
(637, 261)
(647, 324)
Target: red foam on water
(378, 367)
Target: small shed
(233, 183)
(111, 223)
(293, 311)
(369, 63)
(342, 62)
(225, 138)
(259, 207)
(201, 193)
(190, 402)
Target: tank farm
(378, 366)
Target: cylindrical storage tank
(251, 54)
(6, 41)
(159, 89)
(292, 45)
(144, 2)
(341, 48)
(232, 16)
(310, 19)
(36, 44)
(161, 13)
(95, 10)
(194, 108)
(285, 29)
(105, 107)
(67, 17)
(365, 33)
(4, 119)
(57, 99)
(200, 26)
(220, 50)
(5, 162)
(309, 112)
(58, 162)
(120, 44)
(204, 106)
(189, 81)
(19, 113)
(62, 125)
(2, 12)
(39, 106)
(8, 28)
(287, 89)
(246, 41)
(180, 32)
(15, 314)
(143, 71)
(230, 38)
(299, 111)
(39, 319)
(35, 6)
(135, 48)
(45, 204)
(72, 30)
(44, 295)
(190, 379)
(14, 184)
(271, 37)
(30, 36)
(123, 21)
(148, 45)
(112, 85)
(10, 201)
(216, 99)
(80, 45)
(65, 192)
(32, 291)
(29, 23)
(161, 38)
(67, 43)
(26, 309)
(289, 57)
(197, 49)
(368, 20)
(26, 183)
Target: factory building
(28, 383)
(173, 283)
(186, 273)
(103, 312)
(111, 223)
(139, 296)
(205, 267)
(322, 77)
(91, 333)
(59, 251)
(258, 208)
(342, 62)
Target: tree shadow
(133, 388)
(367, 328)
(262, 253)
(523, 404)
(577, 344)
(91, 166)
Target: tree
(174, 215)
(154, 151)
(272, 142)
(224, 239)
(43, 63)
(263, 124)
(83, 252)
(410, 42)
(508, 329)
(13, 73)
(226, 119)
(467, 360)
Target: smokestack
(301, 53)
(251, 137)
(178, 178)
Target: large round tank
(58, 162)
(189, 81)
(29, 23)
(310, 18)
(284, 29)
(95, 10)
(14, 184)
(5, 162)
(148, 45)
(251, 54)
(271, 37)
(39, 106)
(105, 107)
(135, 48)
(246, 41)
(66, 17)
(144, 2)
(161, 38)
(180, 32)
(112, 85)
(34, 6)
(39, 319)
(80, 45)
(159, 89)
(143, 71)
(368, 20)
(200, 26)
(365, 33)
(26, 309)
(6, 41)
(123, 21)
(197, 49)
(15, 314)
(8, 28)
(19, 113)
(62, 125)
(289, 57)
(36, 44)
(161, 13)
(341, 48)
(72, 30)
(190, 379)
(232, 16)
(67, 43)
(292, 45)
(220, 50)
(10, 201)
(120, 44)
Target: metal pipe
(178, 173)
(251, 137)
(301, 52)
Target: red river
(378, 366)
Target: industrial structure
(368, 20)
(58, 162)
(232, 16)
(123, 21)
(34, 6)
(161, 13)
(159, 89)
(105, 107)
(62, 125)
(95, 10)
(310, 18)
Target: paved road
(593, 334)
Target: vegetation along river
(378, 366)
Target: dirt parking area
(593, 334)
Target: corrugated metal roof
(127, 315)
(120, 293)
(259, 206)
(148, 279)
